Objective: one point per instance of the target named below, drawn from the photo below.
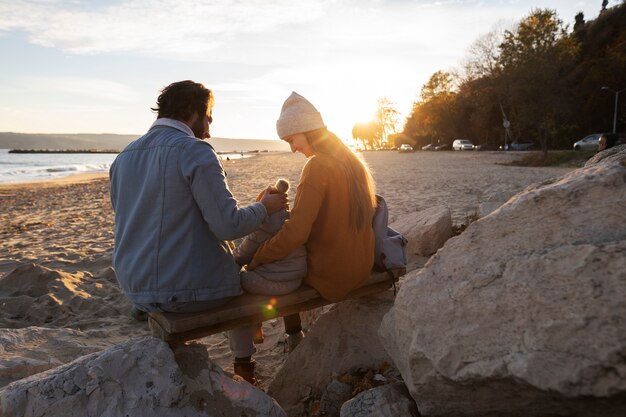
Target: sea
(29, 167)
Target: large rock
(137, 378)
(426, 230)
(493, 202)
(342, 339)
(390, 400)
(523, 313)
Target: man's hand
(274, 202)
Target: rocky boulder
(426, 230)
(391, 400)
(137, 378)
(523, 314)
(340, 340)
(492, 203)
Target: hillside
(10, 140)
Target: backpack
(390, 245)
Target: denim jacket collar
(176, 124)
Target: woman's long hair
(361, 188)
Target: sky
(96, 66)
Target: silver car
(462, 145)
(588, 143)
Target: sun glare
(341, 116)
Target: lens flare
(269, 309)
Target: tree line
(539, 81)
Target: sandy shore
(57, 238)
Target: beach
(58, 286)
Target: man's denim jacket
(174, 215)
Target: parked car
(462, 145)
(405, 147)
(519, 146)
(442, 147)
(489, 146)
(429, 147)
(588, 143)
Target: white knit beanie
(298, 115)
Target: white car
(405, 147)
(588, 143)
(462, 145)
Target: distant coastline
(105, 143)
(114, 151)
(63, 151)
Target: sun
(341, 113)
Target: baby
(279, 277)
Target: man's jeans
(240, 340)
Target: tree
(434, 116)
(386, 118)
(366, 133)
(547, 80)
(483, 54)
(533, 57)
(579, 21)
(439, 83)
(535, 36)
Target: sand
(56, 280)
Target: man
(174, 216)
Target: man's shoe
(293, 340)
(245, 369)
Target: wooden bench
(250, 309)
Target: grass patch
(555, 158)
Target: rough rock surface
(137, 378)
(493, 202)
(24, 352)
(340, 340)
(334, 396)
(426, 230)
(391, 400)
(524, 312)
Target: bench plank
(249, 309)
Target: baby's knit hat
(298, 115)
(282, 185)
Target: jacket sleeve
(296, 230)
(201, 167)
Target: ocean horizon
(28, 167)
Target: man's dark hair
(182, 99)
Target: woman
(333, 208)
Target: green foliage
(431, 115)
(547, 80)
(534, 39)
(440, 83)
